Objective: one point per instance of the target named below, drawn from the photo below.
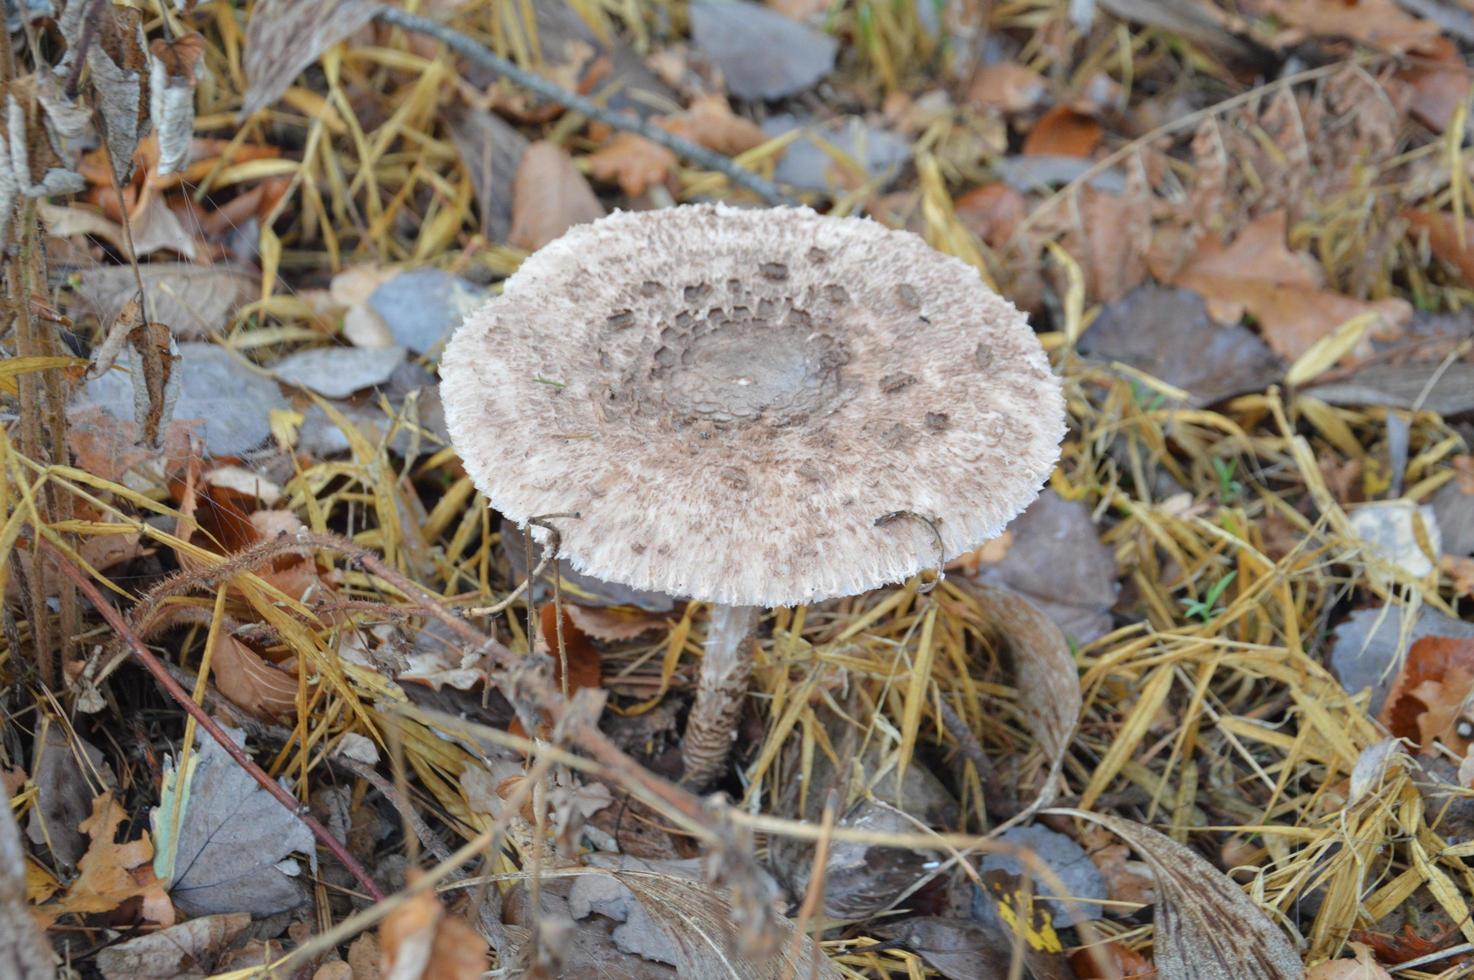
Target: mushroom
(751, 408)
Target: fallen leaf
(491, 151)
(195, 302)
(1442, 231)
(172, 68)
(761, 53)
(1201, 23)
(1427, 698)
(549, 196)
(1431, 387)
(1259, 275)
(1007, 86)
(69, 773)
(633, 162)
(992, 211)
(965, 949)
(1379, 24)
(111, 873)
(421, 307)
(337, 372)
(1363, 967)
(612, 623)
(1440, 83)
(186, 951)
(1063, 132)
(1453, 505)
(1206, 927)
(284, 37)
(230, 850)
(1121, 963)
(216, 386)
(250, 683)
(697, 920)
(1368, 647)
(1044, 674)
(155, 227)
(585, 668)
(1168, 334)
(842, 152)
(709, 121)
(419, 939)
(1069, 867)
(1057, 560)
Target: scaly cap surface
(739, 403)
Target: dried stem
(171, 686)
(464, 46)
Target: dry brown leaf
(1427, 697)
(285, 36)
(1259, 275)
(1008, 86)
(585, 667)
(992, 211)
(1379, 24)
(1206, 927)
(196, 302)
(111, 873)
(421, 940)
(710, 122)
(633, 162)
(1063, 132)
(1440, 84)
(184, 950)
(155, 377)
(171, 88)
(249, 682)
(549, 196)
(611, 623)
(1111, 961)
(1442, 230)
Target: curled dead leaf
(1207, 928)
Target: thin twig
(171, 686)
(737, 174)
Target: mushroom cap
(752, 407)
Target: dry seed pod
(753, 408)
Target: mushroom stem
(726, 666)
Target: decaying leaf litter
(1242, 231)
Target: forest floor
(1214, 687)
